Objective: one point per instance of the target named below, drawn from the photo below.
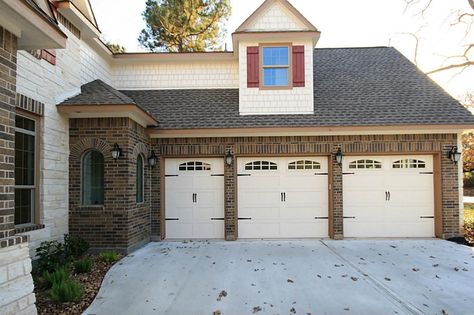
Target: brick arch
(140, 148)
(86, 144)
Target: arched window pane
(139, 178)
(93, 178)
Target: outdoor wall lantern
(339, 156)
(116, 151)
(152, 159)
(454, 155)
(229, 158)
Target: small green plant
(83, 265)
(74, 246)
(50, 255)
(66, 291)
(109, 256)
(49, 279)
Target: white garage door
(283, 197)
(194, 198)
(388, 196)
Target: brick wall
(120, 223)
(8, 51)
(327, 145)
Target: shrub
(109, 256)
(469, 230)
(50, 256)
(83, 265)
(66, 291)
(74, 246)
(49, 279)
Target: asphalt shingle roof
(99, 93)
(352, 87)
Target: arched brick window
(92, 178)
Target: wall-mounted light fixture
(229, 158)
(454, 155)
(339, 156)
(116, 151)
(152, 159)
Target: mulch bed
(90, 282)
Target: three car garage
(289, 197)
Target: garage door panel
(193, 198)
(303, 229)
(251, 229)
(305, 196)
(389, 201)
(261, 213)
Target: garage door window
(409, 163)
(365, 164)
(304, 165)
(261, 166)
(195, 166)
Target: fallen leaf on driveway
(415, 269)
(290, 281)
(222, 295)
(387, 279)
(257, 309)
(354, 278)
(293, 310)
(456, 269)
(436, 265)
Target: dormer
(275, 49)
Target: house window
(276, 66)
(140, 180)
(195, 166)
(365, 164)
(25, 170)
(261, 166)
(304, 165)
(93, 178)
(409, 163)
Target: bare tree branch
(453, 66)
(417, 45)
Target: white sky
(343, 23)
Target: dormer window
(276, 66)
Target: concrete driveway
(291, 277)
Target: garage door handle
(172, 219)
(427, 217)
(245, 218)
(217, 219)
(389, 196)
(321, 218)
(349, 217)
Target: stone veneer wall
(120, 223)
(16, 283)
(319, 145)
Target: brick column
(230, 187)
(450, 193)
(337, 197)
(7, 132)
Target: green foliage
(116, 48)
(49, 279)
(74, 246)
(53, 254)
(83, 265)
(184, 25)
(50, 255)
(109, 256)
(66, 291)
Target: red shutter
(298, 66)
(253, 67)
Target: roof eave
(34, 31)
(131, 111)
(308, 131)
